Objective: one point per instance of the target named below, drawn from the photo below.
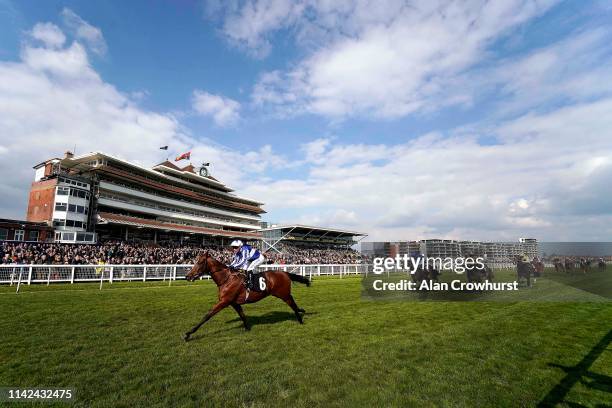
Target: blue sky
(406, 120)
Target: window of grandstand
(19, 235)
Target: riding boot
(247, 282)
(250, 279)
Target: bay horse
(524, 270)
(559, 266)
(232, 291)
(538, 269)
(480, 275)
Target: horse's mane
(217, 263)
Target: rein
(229, 275)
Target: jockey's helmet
(236, 243)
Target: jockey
(246, 258)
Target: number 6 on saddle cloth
(258, 282)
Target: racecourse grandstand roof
(310, 230)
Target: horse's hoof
(186, 337)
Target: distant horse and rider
(479, 275)
(585, 265)
(601, 264)
(234, 292)
(538, 267)
(559, 266)
(525, 269)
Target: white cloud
(377, 59)
(49, 34)
(84, 31)
(576, 68)
(224, 111)
(247, 26)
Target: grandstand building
(100, 197)
(274, 237)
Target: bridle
(204, 270)
(198, 262)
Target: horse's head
(199, 268)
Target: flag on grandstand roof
(163, 148)
(183, 156)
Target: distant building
(97, 196)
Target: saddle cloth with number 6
(258, 282)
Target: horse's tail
(299, 278)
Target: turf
(121, 347)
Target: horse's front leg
(216, 309)
(240, 312)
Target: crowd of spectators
(123, 253)
(299, 255)
(115, 253)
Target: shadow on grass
(271, 318)
(580, 372)
(268, 318)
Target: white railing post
(111, 274)
(19, 280)
(172, 275)
(12, 276)
(72, 275)
(319, 269)
(101, 278)
(49, 277)
(144, 274)
(30, 275)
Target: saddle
(257, 283)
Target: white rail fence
(47, 274)
(29, 274)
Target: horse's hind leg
(240, 312)
(291, 302)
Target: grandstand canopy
(308, 236)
